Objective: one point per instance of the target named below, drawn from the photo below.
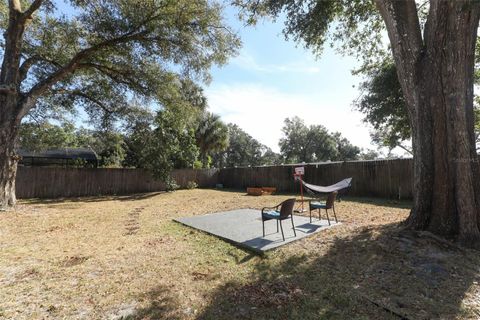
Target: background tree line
(184, 134)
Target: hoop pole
(301, 190)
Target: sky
(272, 79)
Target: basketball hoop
(297, 176)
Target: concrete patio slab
(243, 227)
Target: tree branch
(405, 148)
(118, 76)
(403, 26)
(25, 67)
(28, 100)
(82, 94)
(14, 6)
(27, 14)
(13, 37)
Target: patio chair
(280, 212)
(329, 204)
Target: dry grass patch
(123, 257)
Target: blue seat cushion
(273, 214)
(318, 205)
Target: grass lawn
(123, 257)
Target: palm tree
(211, 136)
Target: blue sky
(272, 79)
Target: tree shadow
(249, 256)
(130, 197)
(161, 305)
(382, 202)
(380, 272)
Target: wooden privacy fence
(57, 182)
(379, 178)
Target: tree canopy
(211, 136)
(243, 151)
(102, 53)
(108, 145)
(384, 107)
(345, 149)
(356, 23)
(301, 143)
(35, 136)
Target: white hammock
(345, 183)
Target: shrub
(192, 185)
(197, 164)
(171, 185)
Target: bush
(192, 185)
(171, 185)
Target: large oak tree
(98, 54)
(433, 46)
(383, 104)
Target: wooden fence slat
(380, 178)
(56, 182)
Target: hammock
(345, 183)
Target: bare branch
(408, 150)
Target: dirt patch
(132, 225)
(272, 293)
(73, 261)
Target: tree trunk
(11, 110)
(8, 164)
(446, 164)
(436, 74)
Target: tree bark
(8, 164)
(436, 74)
(10, 106)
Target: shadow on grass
(246, 258)
(375, 273)
(161, 305)
(131, 197)
(400, 204)
(383, 202)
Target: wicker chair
(329, 204)
(280, 212)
